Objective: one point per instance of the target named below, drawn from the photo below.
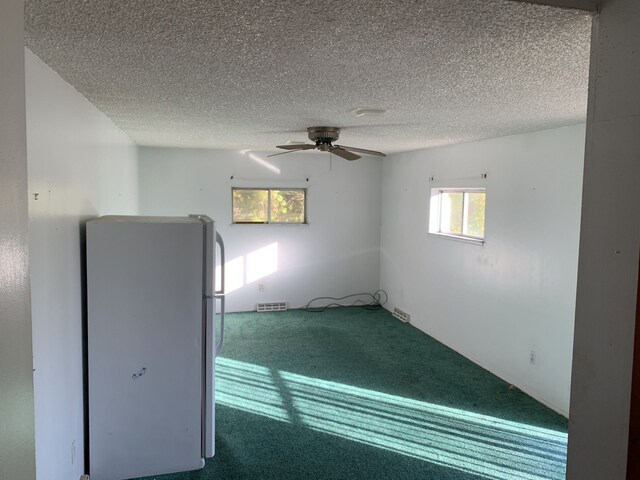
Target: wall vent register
(271, 307)
(401, 315)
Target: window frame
(435, 214)
(269, 190)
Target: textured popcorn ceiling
(239, 74)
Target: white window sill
(269, 225)
(475, 241)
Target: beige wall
(606, 281)
(609, 243)
(16, 382)
(269, 263)
(93, 171)
(465, 295)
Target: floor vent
(272, 307)
(401, 315)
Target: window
(458, 212)
(269, 205)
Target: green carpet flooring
(351, 393)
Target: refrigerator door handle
(219, 294)
(222, 309)
(220, 242)
(208, 414)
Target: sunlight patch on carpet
(250, 388)
(491, 447)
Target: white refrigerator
(151, 343)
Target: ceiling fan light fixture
(369, 112)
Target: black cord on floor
(371, 301)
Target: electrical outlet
(261, 287)
(532, 357)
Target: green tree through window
(269, 205)
(475, 214)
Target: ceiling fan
(324, 138)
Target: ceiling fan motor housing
(323, 136)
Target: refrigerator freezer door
(145, 346)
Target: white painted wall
(497, 302)
(609, 249)
(16, 381)
(335, 255)
(80, 165)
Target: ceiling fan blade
(362, 150)
(341, 152)
(296, 146)
(288, 151)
